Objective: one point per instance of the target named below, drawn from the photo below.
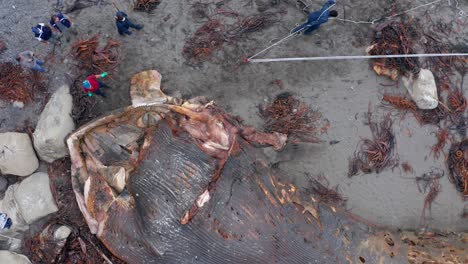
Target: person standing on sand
(62, 24)
(123, 23)
(44, 33)
(27, 59)
(317, 18)
(92, 84)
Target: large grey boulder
(17, 155)
(27, 201)
(423, 89)
(34, 198)
(55, 123)
(9, 257)
(9, 206)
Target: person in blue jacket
(123, 23)
(43, 33)
(317, 18)
(60, 22)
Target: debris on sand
(146, 5)
(407, 168)
(442, 136)
(377, 153)
(457, 101)
(399, 102)
(425, 181)
(94, 59)
(423, 116)
(319, 187)
(458, 166)
(287, 115)
(18, 84)
(395, 38)
(434, 190)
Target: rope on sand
(287, 37)
(362, 57)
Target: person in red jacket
(92, 84)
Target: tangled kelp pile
(288, 115)
(212, 35)
(95, 59)
(395, 38)
(377, 153)
(18, 84)
(207, 39)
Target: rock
(422, 89)
(146, 88)
(9, 206)
(17, 154)
(34, 198)
(13, 258)
(18, 104)
(55, 123)
(62, 233)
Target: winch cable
(362, 57)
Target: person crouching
(92, 85)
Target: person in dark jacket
(44, 33)
(63, 25)
(317, 18)
(60, 22)
(123, 23)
